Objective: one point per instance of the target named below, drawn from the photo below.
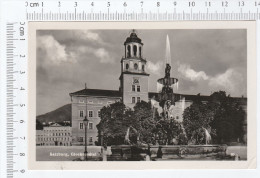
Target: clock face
(136, 81)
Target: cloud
(86, 34)
(70, 36)
(55, 53)
(230, 81)
(154, 68)
(191, 74)
(103, 55)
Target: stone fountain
(167, 99)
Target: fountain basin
(169, 152)
(167, 81)
(127, 153)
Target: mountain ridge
(60, 114)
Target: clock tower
(133, 79)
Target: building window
(143, 68)
(138, 99)
(90, 113)
(80, 139)
(138, 88)
(133, 99)
(81, 125)
(127, 66)
(98, 113)
(109, 102)
(135, 66)
(135, 50)
(81, 113)
(133, 87)
(90, 125)
(128, 51)
(89, 101)
(177, 117)
(140, 51)
(81, 101)
(90, 139)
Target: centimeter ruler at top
(142, 10)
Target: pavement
(70, 153)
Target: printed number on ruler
(142, 10)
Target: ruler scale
(15, 51)
(9, 72)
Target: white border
(251, 83)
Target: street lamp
(101, 135)
(85, 121)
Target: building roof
(97, 92)
(116, 93)
(240, 100)
(133, 38)
(55, 125)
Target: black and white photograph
(141, 94)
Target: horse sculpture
(127, 139)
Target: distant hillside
(59, 115)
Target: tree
(115, 119)
(221, 116)
(169, 129)
(145, 122)
(228, 118)
(195, 118)
(39, 125)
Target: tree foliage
(221, 116)
(150, 127)
(117, 118)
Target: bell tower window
(135, 66)
(140, 51)
(127, 66)
(143, 68)
(128, 51)
(135, 50)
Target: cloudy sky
(204, 61)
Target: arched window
(127, 66)
(140, 51)
(135, 50)
(128, 51)
(143, 67)
(136, 66)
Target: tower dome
(133, 38)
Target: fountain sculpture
(166, 97)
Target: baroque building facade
(133, 88)
(54, 135)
